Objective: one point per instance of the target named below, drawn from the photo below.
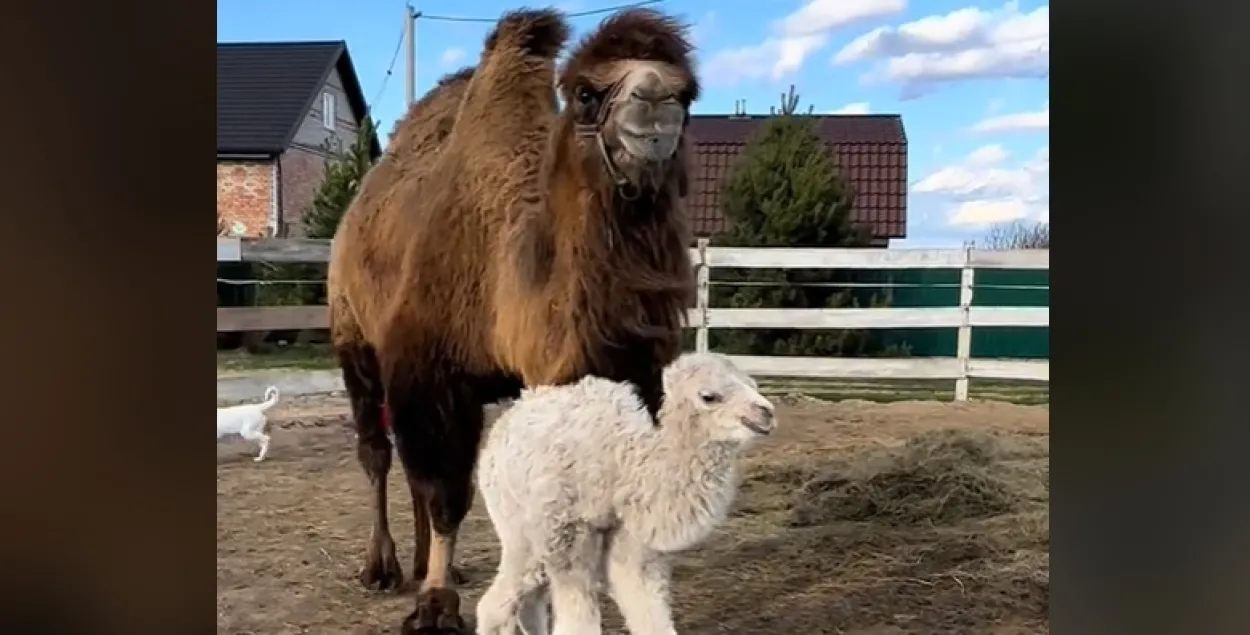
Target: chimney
(740, 110)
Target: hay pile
(939, 478)
(946, 533)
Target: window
(327, 110)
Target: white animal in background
(582, 489)
(248, 421)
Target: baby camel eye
(709, 397)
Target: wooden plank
(827, 258)
(1031, 369)
(252, 386)
(704, 293)
(858, 367)
(694, 318)
(884, 318)
(318, 250)
(1010, 259)
(271, 318)
(963, 339)
(286, 250)
(316, 317)
(1009, 316)
(228, 250)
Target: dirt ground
(854, 518)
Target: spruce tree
(339, 184)
(343, 172)
(784, 191)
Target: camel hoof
(382, 573)
(437, 613)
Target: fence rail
(964, 317)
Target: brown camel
(530, 246)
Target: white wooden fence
(964, 317)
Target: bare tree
(1017, 235)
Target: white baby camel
(582, 489)
(248, 421)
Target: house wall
(245, 193)
(302, 165)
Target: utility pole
(410, 54)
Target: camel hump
(539, 32)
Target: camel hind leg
(361, 378)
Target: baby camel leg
(638, 581)
(518, 580)
(534, 609)
(573, 575)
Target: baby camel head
(708, 393)
(629, 86)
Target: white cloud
(989, 212)
(1033, 120)
(854, 108)
(985, 190)
(773, 58)
(822, 16)
(793, 38)
(987, 155)
(451, 56)
(965, 44)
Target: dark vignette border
(107, 523)
(1150, 182)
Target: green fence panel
(1028, 288)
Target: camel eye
(709, 397)
(584, 96)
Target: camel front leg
(638, 581)
(373, 451)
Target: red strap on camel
(386, 418)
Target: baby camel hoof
(437, 613)
(382, 574)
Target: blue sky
(970, 78)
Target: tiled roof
(869, 150)
(264, 90)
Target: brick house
(869, 150)
(280, 107)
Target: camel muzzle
(650, 146)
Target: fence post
(704, 293)
(963, 344)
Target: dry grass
(864, 518)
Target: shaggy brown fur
(501, 255)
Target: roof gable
(264, 90)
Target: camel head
(628, 87)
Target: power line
(390, 70)
(450, 18)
